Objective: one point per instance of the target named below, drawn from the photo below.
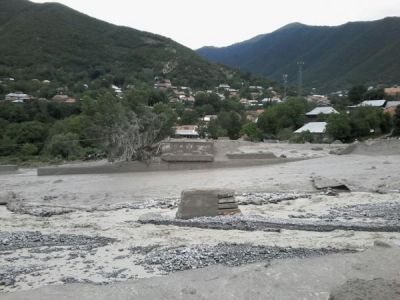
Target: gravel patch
(258, 223)
(173, 259)
(34, 239)
(387, 211)
(9, 274)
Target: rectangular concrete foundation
(8, 168)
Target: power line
(285, 83)
(68, 141)
(300, 87)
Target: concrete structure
(8, 168)
(262, 155)
(206, 203)
(187, 151)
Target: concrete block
(227, 205)
(264, 155)
(187, 157)
(8, 168)
(207, 203)
(198, 203)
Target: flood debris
(323, 183)
(258, 223)
(173, 259)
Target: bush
(301, 138)
(65, 146)
(338, 127)
(251, 131)
(29, 150)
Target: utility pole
(285, 82)
(300, 87)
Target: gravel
(173, 259)
(9, 274)
(34, 239)
(389, 211)
(258, 223)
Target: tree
(251, 131)
(338, 127)
(289, 114)
(65, 145)
(231, 122)
(357, 93)
(396, 122)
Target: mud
(374, 289)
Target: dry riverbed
(102, 229)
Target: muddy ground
(103, 229)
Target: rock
(381, 244)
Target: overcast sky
(197, 23)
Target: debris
(322, 183)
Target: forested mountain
(335, 57)
(51, 41)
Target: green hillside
(335, 57)
(51, 41)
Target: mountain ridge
(53, 41)
(335, 56)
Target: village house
(187, 131)
(272, 100)
(318, 99)
(391, 107)
(322, 111)
(224, 86)
(209, 118)
(317, 129)
(63, 99)
(18, 97)
(253, 115)
(392, 91)
(374, 103)
(163, 84)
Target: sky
(196, 23)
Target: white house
(187, 131)
(17, 97)
(313, 127)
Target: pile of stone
(207, 203)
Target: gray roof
(313, 127)
(326, 110)
(392, 103)
(374, 103)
